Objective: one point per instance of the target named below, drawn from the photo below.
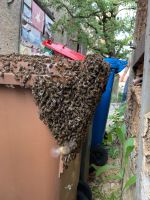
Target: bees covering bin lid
(63, 50)
(65, 91)
(21, 70)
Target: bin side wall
(28, 169)
(69, 180)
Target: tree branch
(87, 16)
(93, 27)
(79, 16)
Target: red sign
(37, 17)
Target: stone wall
(10, 16)
(134, 103)
(132, 124)
(9, 26)
(141, 19)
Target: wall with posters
(35, 27)
(9, 26)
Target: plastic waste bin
(101, 113)
(29, 169)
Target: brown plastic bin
(28, 168)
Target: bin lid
(63, 50)
(14, 68)
(116, 63)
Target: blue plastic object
(116, 64)
(101, 114)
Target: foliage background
(104, 26)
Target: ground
(104, 189)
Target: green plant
(99, 194)
(131, 181)
(120, 95)
(116, 134)
(100, 170)
(116, 122)
(113, 152)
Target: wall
(36, 24)
(141, 18)
(137, 118)
(133, 115)
(143, 164)
(61, 36)
(9, 26)
(10, 16)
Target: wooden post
(143, 164)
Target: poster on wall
(35, 26)
(26, 15)
(26, 11)
(48, 21)
(48, 25)
(24, 34)
(37, 17)
(35, 37)
(25, 50)
(28, 2)
(31, 35)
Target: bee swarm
(66, 93)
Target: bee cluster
(66, 93)
(23, 66)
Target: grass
(98, 194)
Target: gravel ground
(102, 188)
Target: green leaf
(100, 170)
(128, 148)
(121, 132)
(113, 152)
(94, 166)
(110, 117)
(131, 181)
(123, 129)
(120, 135)
(121, 173)
(110, 138)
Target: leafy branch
(97, 23)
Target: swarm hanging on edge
(66, 93)
(67, 101)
